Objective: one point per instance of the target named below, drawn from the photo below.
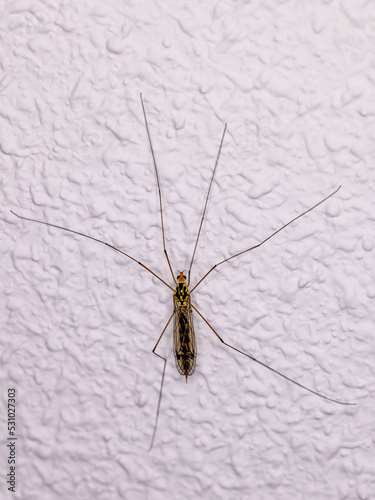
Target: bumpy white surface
(295, 82)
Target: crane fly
(185, 350)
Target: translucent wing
(185, 349)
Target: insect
(185, 350)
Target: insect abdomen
(184, 337)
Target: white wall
(295, 83)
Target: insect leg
(205, 205)
(162, 383)
(157, 179)
(95, 239)
(269, 237)
(267, 366)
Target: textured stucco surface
(295, 82)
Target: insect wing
(185, 349)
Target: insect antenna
(269, 237)
(157, 179)
(206, 202)
(94, 239)
(269, 367)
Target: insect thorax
(182, 293)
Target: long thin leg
(161, 385)
(157, 178)
(95, 239)
(205, 205)
(272, 369)
(269, 237)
